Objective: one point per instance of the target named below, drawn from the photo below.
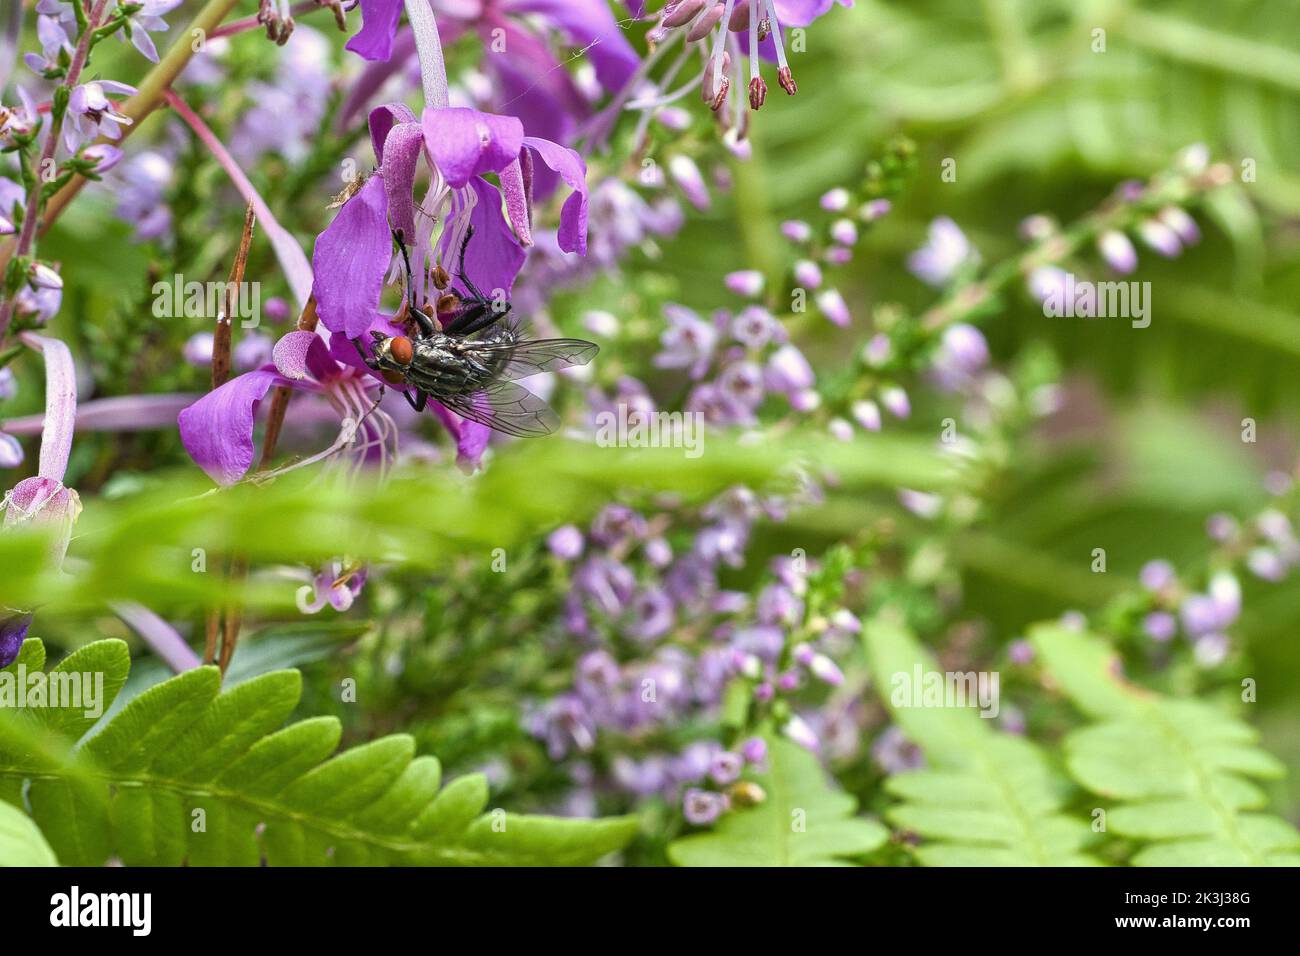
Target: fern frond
(1181, 771)
(984, 798)
(805, 820)
(186, 773)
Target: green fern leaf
(985, 798)
(1180, 771)
(805, 821)
(187, 773)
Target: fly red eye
(400, 348)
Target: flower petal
(402, 149)
(465, 143)
(471, 437)
(494, 257)
(303, 354)
(589, 24)
(384, 118)
(351, 259)
(217, 430)
(572, 169)
(519, 205)
(374, 41)
(60, 405)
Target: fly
(471, 365)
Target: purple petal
(217, 430)
(45, 502)
(573, 216)
(159, 635)
(589, 24)
(126, 413)
(60, 405)
(402, 149)
(350, 260)
(465, 143)
(303, 354)
(495, 257)
(518, 202)
(384, 118)
(374, 41)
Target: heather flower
(688, 342)
(1156, 575)
(141, 183)
(1160, 626)
(946, 253)
(834, 307)
(753, 327)
(687, 177)
(54, 44)
(17, 121)
(1210, 650)
(702, 807)
(798, 730)
(807, 274)
(335, 584)
(653, 615)
(754, 750)
(894, 753)
(91, 113)
(565, 543)
(896, 401)
(796, 230)
(867, 414)
(149, 19)
(1118, 251)
(286, 112)
(1021, 652)
(726, 767)
(747, 283)
(616, 525)
(1160, 237)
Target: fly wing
(507, 407)
(536, 355)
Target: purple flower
(688, 342)
(149, 18)
(609, 584)
(726, 767)
(833, 306)
(616, 525)
(747, 283)
(754, 750)
(798, 730)
(895, 753)
(1118, 251)
(702, 807)
(217, 430)
(13, 631)
(1156, 575)
(947, 251)
(1160, 625)
(565, 543)
(335, 585)
(652, 611)
(91, 113)
(1020, 652)
(54, 41)
(353, 254)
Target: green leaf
(21, 843)
(985, 798)
(1178, 775)
(805, 821)
(189, 774)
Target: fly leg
(425, 323)
(418, 401)
(371, 362)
